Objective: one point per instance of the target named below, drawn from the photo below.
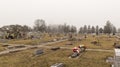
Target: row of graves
(115, 61)
(40, 52)
(72, 55)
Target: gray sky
(76, 12)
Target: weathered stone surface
(19, 46)
(39, 52)
(69, 43)
(55, 48)
(5, 45)
(110, 60)
(10, 47)
(58, 65)
(74, 55)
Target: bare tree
(89, 29)
(85, 29)
(97, 30)
(93, 29)
(101, 30)
(40, 25)
(81, 30)
(108, 27)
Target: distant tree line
(109, 28)
(41, 26)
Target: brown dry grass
(25, 59)
(88, 59)
(106, 43)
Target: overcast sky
(73, 12)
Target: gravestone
(19, 46)
(68, 43)
(5, 45)
(54, 40)
(55, 48)
(110, 60)
(80, 39)
(96, 43)
(10, 47)
(33, 47)
(3, 40)
(117, 46)
(72, 39)
(13, 51)
(82, 49)
(74, 55)
(39, 52)
(50, 41)
(58, 65)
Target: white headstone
(117, 52)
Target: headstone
(85, 36)
(72, 39)
(117, 52)
(80, 39)
(19, 46)
(54, 40)
(55, 48)
(13, 51)
(74, 55)
(58, 65)
(50, 41)
(39, 52)
(10, 47)
(96, 43)
(69, 43)
(3, 40)
(5, 45)
(58, 39)
(33, 47)
(110, 60)
(117, 46)
(82, 49)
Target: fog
(72, 12)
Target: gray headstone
(110, 60)
(55, 48)
(3, 40)
(69, 44)
(10, 47)
(58, 65)
(19, 46)
(75, 54)
(54, 40)
(5, 45)
(39, 52)
(13, 51)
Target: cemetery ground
(26, 58)
(104, 41)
